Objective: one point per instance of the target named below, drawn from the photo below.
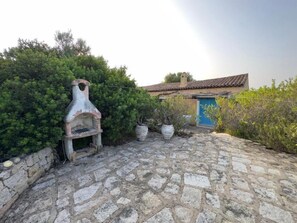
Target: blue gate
(202, 118)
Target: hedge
(267, 115)
(36, 89)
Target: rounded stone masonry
(18, 173)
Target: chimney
(183, 79)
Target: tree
(67, 47)
(175, 77)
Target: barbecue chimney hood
(82, 119)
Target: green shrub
(36, 89)
(267, 115)
(32, 105)
(173, 111)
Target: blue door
(203, 119)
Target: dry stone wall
(22, 173)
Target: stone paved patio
(205, 178)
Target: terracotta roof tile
(230, 81)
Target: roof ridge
(227, 81)
(218, 78)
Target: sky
(209, 39)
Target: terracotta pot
(167, 131)
(141, 132)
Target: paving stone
(171, 188)
(263, 192)
(191, 196)
(213, 200)
(84, 220)
(242, 195)
(123, 201)
(41, 217)
(78, 209)
(239, 167)
(130, 177)
(275, 213)
(63, 217)
(159, 156)
(128, 215)
(223, 158)
(292, 176)
(239, 212)
(125, 170)
(183, 214)
(62, 202)
(150, 202)
(116, 191)
(83, 180)
(39, 205)
(164, 216)
(114, 165)
(241, 160)
(163, 171)
(218, 176)
(101, 174)
(263, 182)
(219, 167)
(64, 189)
(287, 183)
(206, 217)
(257, 169)
(289, 193)
(240, 183)
(94, 166)
(144, 175)
(111, 183)
(176, 178)
(274, 172)
(196, 180)
(105, 211)
(86, 193)
(64, 170)
(289, 204)
(156, 182)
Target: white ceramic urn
(167, 131)
(141, 132)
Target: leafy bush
(36, 89)
(267, 115)
(173, 111)
(32, 100)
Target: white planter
(141, 132)
(167, 131)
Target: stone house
(202, 92)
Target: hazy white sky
(152, 37)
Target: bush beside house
(267, 115)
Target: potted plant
(145, 112)
(141, 130)
(166, 115)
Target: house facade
(201, 93)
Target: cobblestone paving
(204, 178)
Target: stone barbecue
(82, 119)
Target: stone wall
(24, 172)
